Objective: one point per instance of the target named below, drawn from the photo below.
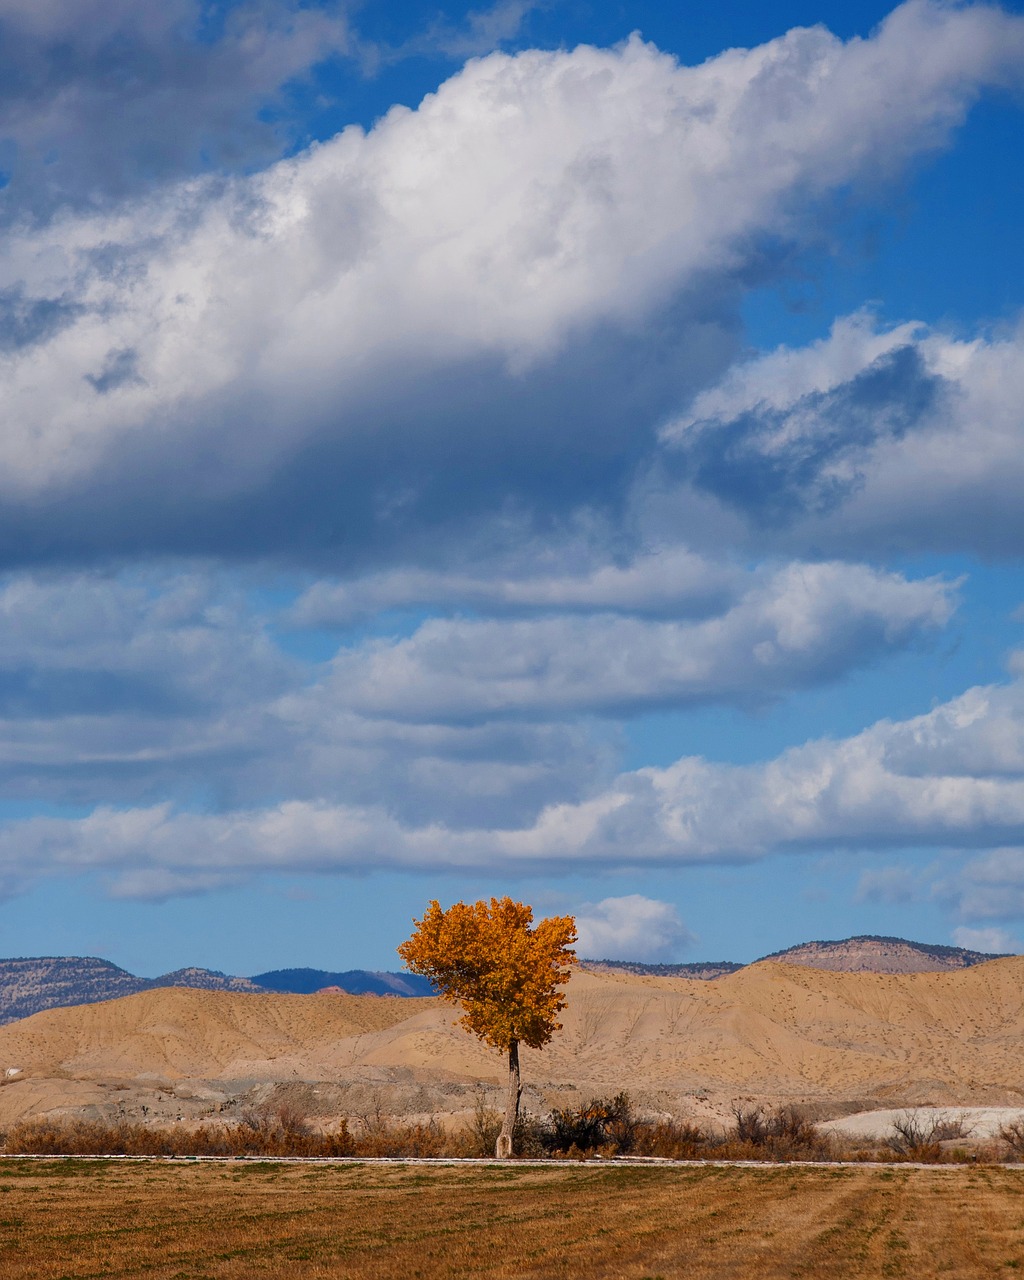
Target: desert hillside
(872, 954)
(30, 985)
(770, 1030)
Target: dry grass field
(83, 1219)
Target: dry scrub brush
(609, 1128)
(919, 1137)
(254, 1135)
(1012, 1133)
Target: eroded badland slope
(772, 1030)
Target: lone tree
(505, 974)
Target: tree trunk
(503, 1148)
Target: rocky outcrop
(872, 954)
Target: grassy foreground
(192, 1222)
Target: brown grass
(232, 1221)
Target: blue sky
(566, 449)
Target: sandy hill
(181, 1032)
(771, 1030)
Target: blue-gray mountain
(357, 982)
(30, 984)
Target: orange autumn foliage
(504, 974)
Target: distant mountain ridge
(30, 984)
(874, 953)
(357, 982)
(865, 953)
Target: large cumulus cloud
(481, 307)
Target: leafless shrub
(774, 1133)
(949, 1128)
(917, 1136)
(483, 1129)
(376, 1118)
(599, 1125)
(673, 1140)
(910, 1133)
(750, 1125)
(1012, 1133)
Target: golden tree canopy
(505, 974)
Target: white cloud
(242, 357)
(870, 439)
(114, 692)
(793, 627)
(631, 928)
(124, 688)
(989, 887)
(127, 687)
(784, 377)
(483, 30)
(953, 778)
(993, 941)
(671, 582)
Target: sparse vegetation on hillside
(876, 953)
(704, 970)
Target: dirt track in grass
(203, 1222)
